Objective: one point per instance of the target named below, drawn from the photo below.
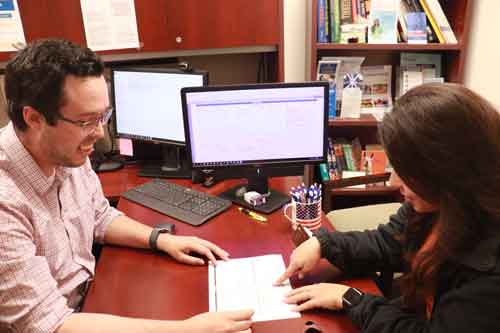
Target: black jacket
(467, 296)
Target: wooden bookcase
(173, 28)
(459, 14)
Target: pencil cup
(306, 214)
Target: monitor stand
(274, 199)
(171, 166)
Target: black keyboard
(180, 202)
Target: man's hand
(302, 260)
(220, 322)
(181, 247)
(321, 295)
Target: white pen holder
(307, 214)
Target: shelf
(386, 47)
(365, 120)
(366, 191)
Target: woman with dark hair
(443, 141)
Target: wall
(482, 68)
(295, 14)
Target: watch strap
(153, 238)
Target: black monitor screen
(148, 105)
(256, 126)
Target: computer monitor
(254, 131)
(147, 104)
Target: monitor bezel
(203, 73)
(257, 164)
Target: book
(333, 169)
(414, 58)
(374, 161)
(346, 12)
(339, 156)
(383, 22)
(328, 71)
(356, 153)
(435, 13)
(432, 22)
(376, 89)
(334, 21)
(323, 172)
(411, 76)
(346, 147)
(322, 32)
(416, 28)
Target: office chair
(367, 218)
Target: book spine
(323, 171)
(336, 19)
(327, 21)
(346, 11)
(339, 155)
(354, 10)
(441, 21)
(346, 147)
(322, 38)
(333, 169)
(433, 23)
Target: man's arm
(127, 232)
(212, 322)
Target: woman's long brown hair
(443, 140)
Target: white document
(11, 27)
(110, 24)
(247, 283)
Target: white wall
(482, 68)
(295, 13)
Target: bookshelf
(459, 13)
(170, 29)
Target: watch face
(165, 227)
(351, 298)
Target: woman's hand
(321, 295)
(302, 260)
(182, 247)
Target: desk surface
(140, 283)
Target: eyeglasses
(90, 126)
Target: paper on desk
(247, 283)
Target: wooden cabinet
(222, 23)
(169, 28)
(458, 12)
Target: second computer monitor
(148, 108)
(248, 130)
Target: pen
(253, 215)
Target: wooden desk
(140, 283)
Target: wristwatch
(351, 298)
(157, 230)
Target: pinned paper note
(126, 147)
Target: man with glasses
(52, 207)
